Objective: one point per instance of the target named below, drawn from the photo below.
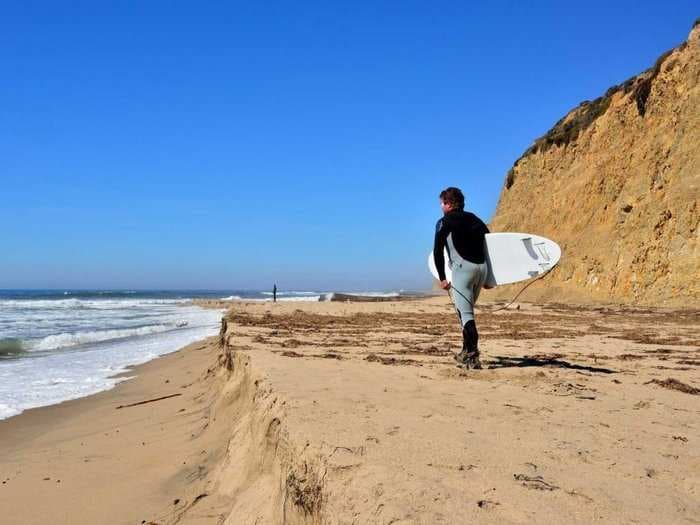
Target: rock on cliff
(616, 183)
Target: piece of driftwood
(148, 401)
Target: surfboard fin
(542, 248)
(527, 242)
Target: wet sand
(355, 413)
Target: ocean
(57, 345)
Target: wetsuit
(463, 235)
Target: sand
(355, 413)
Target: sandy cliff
(616, 183)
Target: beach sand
(336, 412)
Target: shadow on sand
(511, 362)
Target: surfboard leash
(514, 298)
(459, 316)
(525, 288)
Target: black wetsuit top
(468, 233)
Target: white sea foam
(330, 295)
(373, 294)
(296, 295)
(77, 371)
(33, 320)
(65, 340)
(98, 304)
(7, 411)
(308, 298)
(290, 293)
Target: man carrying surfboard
(463, 234)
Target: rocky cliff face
(616, 183)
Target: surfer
(463, 234)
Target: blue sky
(229, 145)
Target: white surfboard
(512, 257)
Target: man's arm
(441, 233)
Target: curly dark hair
(453, 196)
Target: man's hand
(445, 285)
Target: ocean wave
(373, 294)
(94, 304)
(331, 295)
(308, 298)
(66, 340)
(290, 293)
(54, 377)
(11, 346)
(90, 293)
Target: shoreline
(318, 412)
(106, 379)
(53, 349)
(77, 446)
(129, 373)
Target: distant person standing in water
(274, 293)
(463, 234)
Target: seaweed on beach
(306, 490)
(674, 384)
(647, 338)
(374, 358)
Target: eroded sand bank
(355, 413)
